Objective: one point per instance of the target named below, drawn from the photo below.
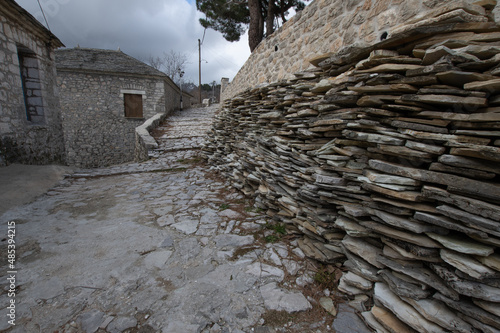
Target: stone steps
(183, 130)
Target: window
(32, 88)
(133, 105)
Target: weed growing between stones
(224, 206)
(277, 318)
(271, 239)
(279, 230)
(327, 277)
(252, 209)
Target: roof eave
(23, 16)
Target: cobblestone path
(160, 246)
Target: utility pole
(181, 74)
(213, 92)
(199, 71)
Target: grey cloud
(141, 28)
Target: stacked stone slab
(386, 160)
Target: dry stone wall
(385, 160)
(326, 27)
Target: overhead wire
(203, 39)
(43, 13)
(218, 56)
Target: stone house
(30, 121)
(105, 95)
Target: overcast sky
(143, 27)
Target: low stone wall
(326, 27)
(386, 161)
(143, 139)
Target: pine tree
(231, 17)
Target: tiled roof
(98, 60)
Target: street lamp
(181, 74)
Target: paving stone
(165, 220)
(157, 259)
(48, 289)
(230, 214)
(348, 321)
(292, 267)
(271, 256)
(167, 242)
(187, 226)
(265, 271)
(4, 324)
(90, 321)
(228, 240)
(120, 324)
(277, 299)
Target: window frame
(31, 85)
(131, 98)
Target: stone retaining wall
(326, 27)
(386, 161)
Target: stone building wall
(173, 97)
(97, 133)
(187, 100)
(31, 133)
(384, 161)
(323, 28)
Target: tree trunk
(270, 18)
(255, 32)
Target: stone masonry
(30, 122)
(92, 85)
(324, 28)
(386, 160)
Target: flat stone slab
(157, 259)
(120, 324)
(90, 321)
(187, 227)
(277, 299)
(228, 240)
(265, 271)
(328, 305)
(348, 321)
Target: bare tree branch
(171, 64)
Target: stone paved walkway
(160, 246)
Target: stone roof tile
(86, 59)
